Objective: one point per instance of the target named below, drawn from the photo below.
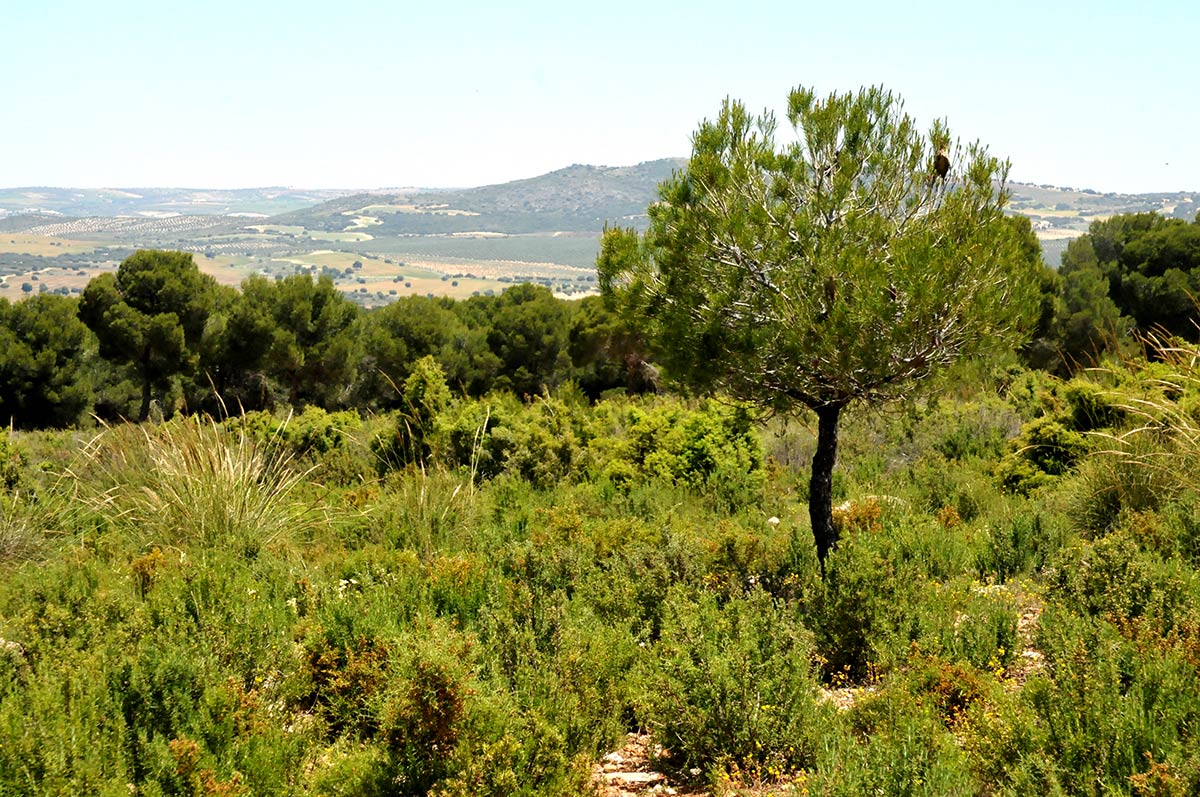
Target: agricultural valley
(381, 245)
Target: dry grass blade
(1156, 456)
(192, 481)
(26, 525)
(1164, 434)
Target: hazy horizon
(351, 189)
(148, 94)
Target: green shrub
(712, 447)
(983, 632)
(1090, 407)
(425, 397)
(466, 431)
(1112, 577)
(1133, 475)
(971, 430)
(1110, 698)
(1018, 543)
(543, 447)
(733, 685)
(1045, 448)
(1033, 394)
(11, 464)
(1050, 446)
(893, 743)
(864, 615)
(940, 484)
(423, 715)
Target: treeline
(1131, 275)
(158, 335)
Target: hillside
(253, 607)
(157, 202)
(543, 229)
(579, 199)
(1061, 214)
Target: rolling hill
(457, 242)
(577, 199)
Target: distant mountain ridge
(151, 202)
(581, 196)
(577, 199)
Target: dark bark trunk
(820, 488)
(144, 413)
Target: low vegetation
(484, 595)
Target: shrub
(425, 397)
(423, 719)
(892, 743)
(865, 611)
(1090, 407)
(1112, 577)
(1109, 699)
(1045, 448)
(1021, 541)
(711, 447)
(972, 430)
(11, 464)
(733, 685)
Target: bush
(733, 685)
(539, 441)
(1090, 407)
(1112, 696)
(11, 464)
(425, 397)
(1019, 543)
(865, 613)
(711, 447)
(423, 716)
(1045, 448)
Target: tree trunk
(144, 413)
(820, 487)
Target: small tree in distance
(150, 315)
(847, 266)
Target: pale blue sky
(372, 94)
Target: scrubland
(483, 596)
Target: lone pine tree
(849, 265)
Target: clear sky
(365, 94)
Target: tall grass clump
(28, 522)
(190, 481)
(1155, 456)
(19, 538)
(28, 516)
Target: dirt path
(627, 772)
(1031, 660)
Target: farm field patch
(433, 210)
(42, 245)
(342, 237)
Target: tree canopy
(1151, 265)
(851, 264)
(151, 315)
(44, 351)
(311, 352)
